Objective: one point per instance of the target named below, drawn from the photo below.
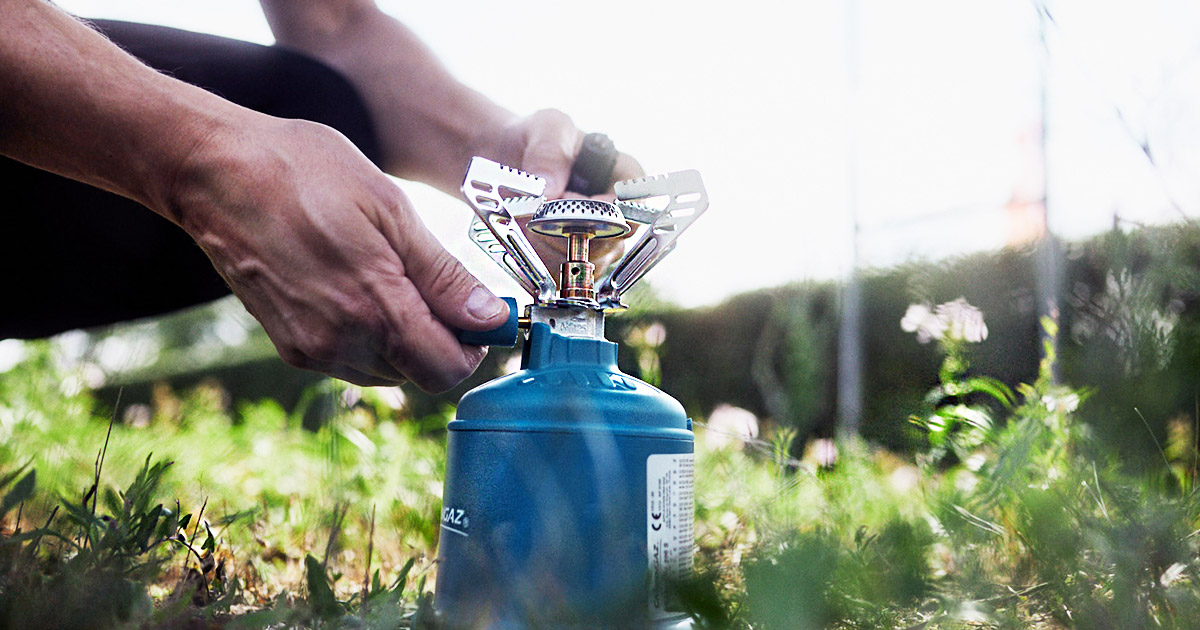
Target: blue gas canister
(568, 494)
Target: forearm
(430, 124)
(75, 104)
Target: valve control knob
(504, 335)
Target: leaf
(1050, 326)
(9, 477)
(397, 589)
(147, 527)
(21, 492)
(230, 519)
(973, 416)
(700, 597)
(978, 521)
(990, 386)
(79, 514)
(321, 599)
(935, 395)
(111, 502)
(40, 533)
(210, 543)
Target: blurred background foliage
(1041, 477)
(1129, 314)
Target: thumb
(454, 296)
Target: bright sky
(797, 113)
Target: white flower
(393, 397)
(351, 395)
(1172, 574)
(823, 451)
(905, 478)
(727, 423)
(963, 321)
(655, 334)
(919, 319)
(1066, 402)
(953, 320)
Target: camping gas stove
(568, 496)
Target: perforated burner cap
(563, 217)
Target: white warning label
(669, 529)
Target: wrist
(437, 148)
(212, 147)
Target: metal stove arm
(499, 195)
(482, 236)
(687, 200)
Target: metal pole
(850, 342)
(1048, 265)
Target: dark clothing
(76, 256)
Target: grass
(1013, 517)
(268, 493)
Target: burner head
(563, 217)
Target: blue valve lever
(504, 335)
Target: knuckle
(553, 117)
(415, 359)
(444, 275)
(398, 349)
(474, 357)
(551, 135)
(300, 126)
(627, 168)
(451, 374)
(353, 329)
(438, 383)
(385, 191)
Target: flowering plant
(957, 418)
(949, 322)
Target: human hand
(328, 254)
(545, 144)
